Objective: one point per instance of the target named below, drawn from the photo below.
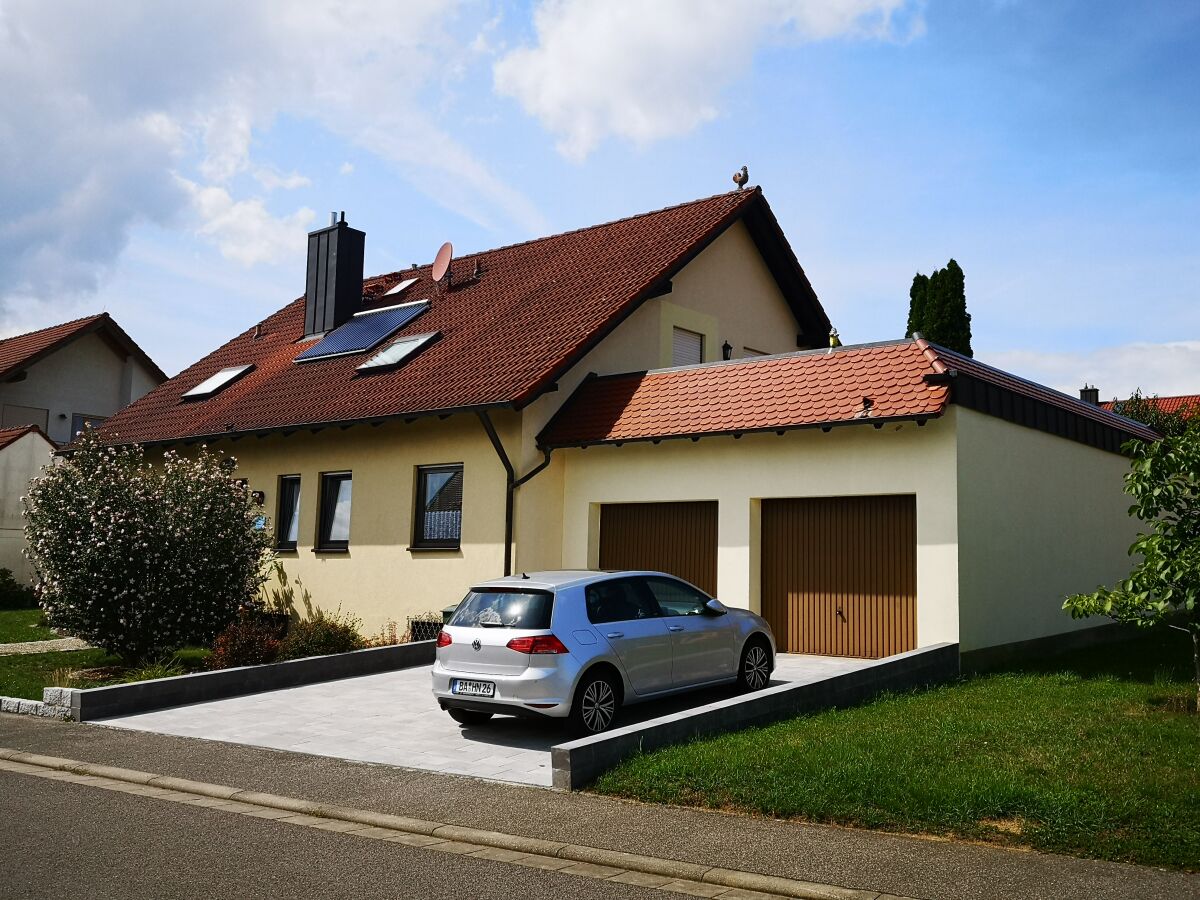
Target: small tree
(937, 308)
(1147, 411)
(1164, 585)
(140, 557)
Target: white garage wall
(1039, 517)
(854, 460)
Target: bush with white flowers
(142, 557)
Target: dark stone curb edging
(577, 763)
(667, 868)
(85, 705)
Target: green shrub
(142, 556)
(250, 640)
(321, 634)
(13, 594)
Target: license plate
(473, 688)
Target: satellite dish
(441, 263)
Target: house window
(80, 421)
(439, 507)
(334, 529)
(287, 520)
(687, 347)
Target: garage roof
(863, 384)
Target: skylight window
(398, 289)
(398, 352)
(363, 331)
(214, 384)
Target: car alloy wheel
(756, 668)
(597, 706)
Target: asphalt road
(897, 864)
(60, 840)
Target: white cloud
(1164, 369)
(143, 112)
(346, 168)
(244, 230)
(646, 71)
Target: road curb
(575, 853)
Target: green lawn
(26, 674)
(1090, 753)
(17, 625)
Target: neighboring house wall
(380, 579)
(1039, 517)
(726, 293)
(739, 474)
(86, 377)
(20, 462)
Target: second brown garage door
(839, 574)
(677, 538)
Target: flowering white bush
(140, 557)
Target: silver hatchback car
(578, 645)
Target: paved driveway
(392, 718)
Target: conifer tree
(938, 309)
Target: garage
(677, 538)
(839, 574)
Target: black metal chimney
(1090, 395)
(335, 276)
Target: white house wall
(738, 474)
(20, 462)
(1039, 517)
(86, 377)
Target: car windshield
(504, 609)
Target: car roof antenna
(525, 575)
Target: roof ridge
(748, 360)
(749, 192)
(24, 334)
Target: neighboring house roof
(1189, 402)
(22, 351)
(12, 435)
(907, 379)
(536, 310)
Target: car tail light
(542, 643)
(444, 639)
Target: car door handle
(615, 634)
(674, 628)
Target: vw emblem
(475, 645)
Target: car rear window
(505, 609)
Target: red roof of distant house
(537, 308)
(1189, 402)
(871, 383)
(23, 350)
(12, 435)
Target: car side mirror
(715, 608)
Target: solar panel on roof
(400, 287)
(217, 382)
(364, 331)
(399, 350)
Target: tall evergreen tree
(938, 308)
(916, 303)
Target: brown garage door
(839, 574)
(679, 538)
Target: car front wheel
(595, 707)
(754, 673)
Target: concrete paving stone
(301, 819)
(743, 894)
(591, 870)
(498, 854)
(412, 840)
(452, 847)
(641, 879)
(335, 825)
(536, 861)
(371, 831)
(694, 888)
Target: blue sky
(165, 164)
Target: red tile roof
(23, 350)
(12, 435)
(1188, 402)
(811, 388)
(536, 309)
